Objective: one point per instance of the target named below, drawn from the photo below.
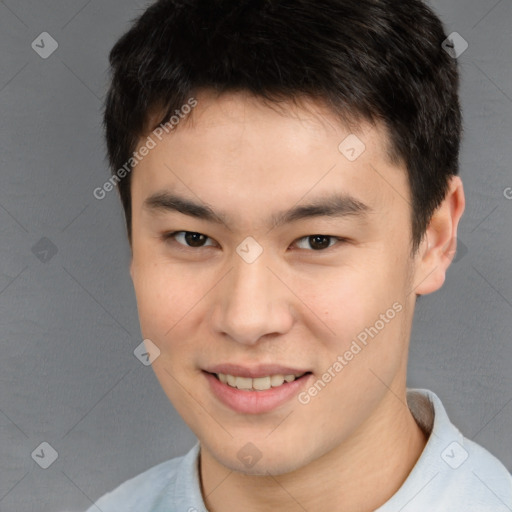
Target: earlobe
(439, 245)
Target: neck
(360, 474)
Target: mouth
(259, 383)
(260, 393)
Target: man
(288, 171)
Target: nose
(252, 302)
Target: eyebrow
(331, 205)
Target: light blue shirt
(452, 474)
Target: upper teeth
(258, 384)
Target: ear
(439, 243)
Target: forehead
(301, 119)
(301, 116)
(260, 156)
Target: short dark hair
(373, 60)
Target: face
(295, 259)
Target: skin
(353, 445)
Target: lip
(255, 402)
(253, 372)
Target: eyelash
(170, 237)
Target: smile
(256, 395)
(256, 384)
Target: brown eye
(317, 242)
(189, 238)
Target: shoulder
(142, 492)
(467, 477)
(453, 472)
(486, 474)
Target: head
(248, 128)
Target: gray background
(68, 321)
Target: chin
(273, 464)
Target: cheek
(351, 299)
(164, 296)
